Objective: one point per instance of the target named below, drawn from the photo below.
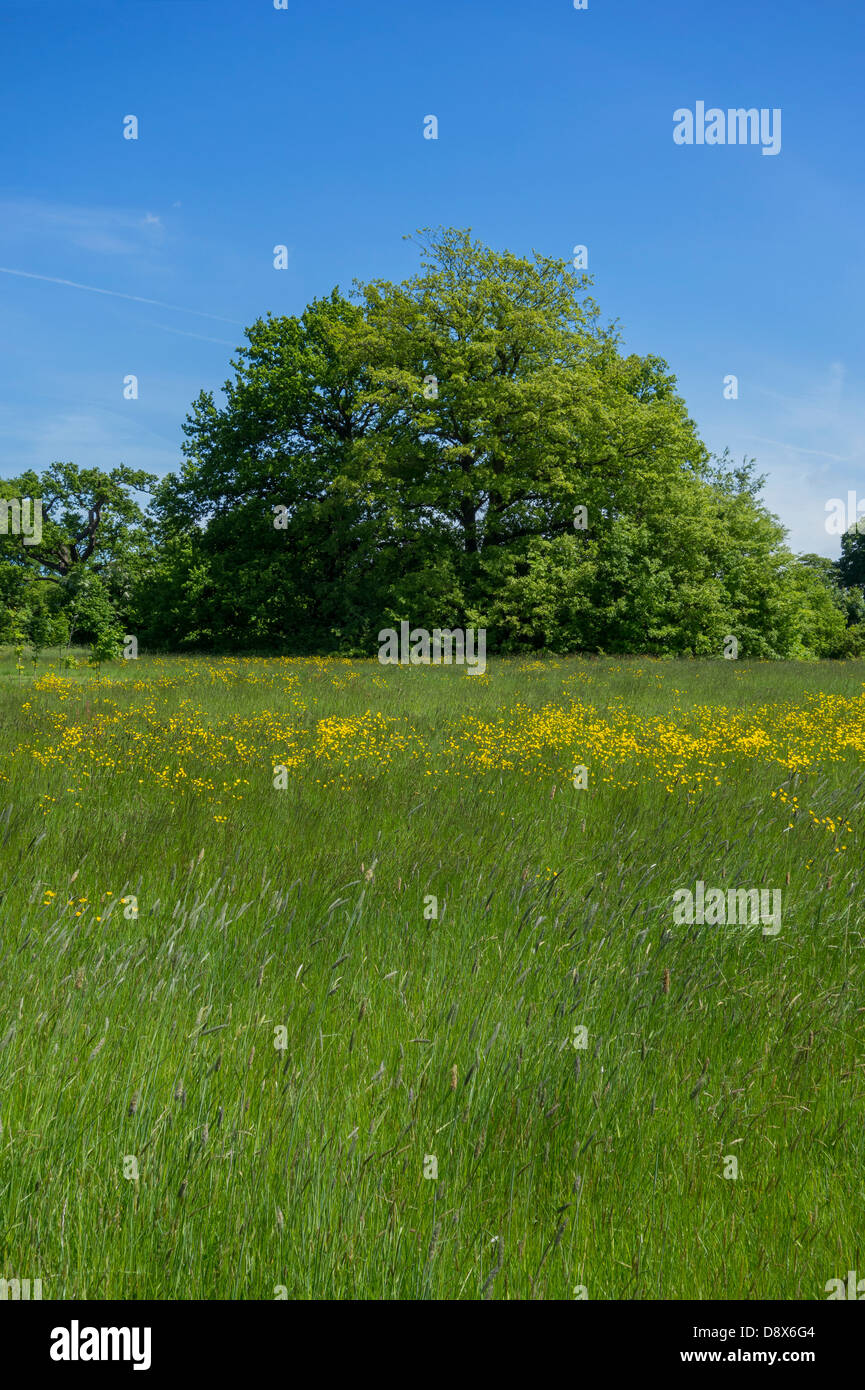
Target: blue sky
(304, 127)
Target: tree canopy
(469, 447)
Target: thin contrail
(781, 444)
(116, 294)
(184, 333)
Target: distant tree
(851, 564)
(832, 617)
(89, 517)
(91, 525)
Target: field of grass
(317, 1032)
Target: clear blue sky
(305, 127)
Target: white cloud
(811, 444)
(104, 230)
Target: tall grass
(415, 1043)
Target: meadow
(324, 979)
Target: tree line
(470, 447)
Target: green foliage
(285, 439)
(89, 518)
(829, 617)
(851, 565)
(423, 452)
(93, 617)
(94, 546)
(429, 445)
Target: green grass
(152, 1038)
